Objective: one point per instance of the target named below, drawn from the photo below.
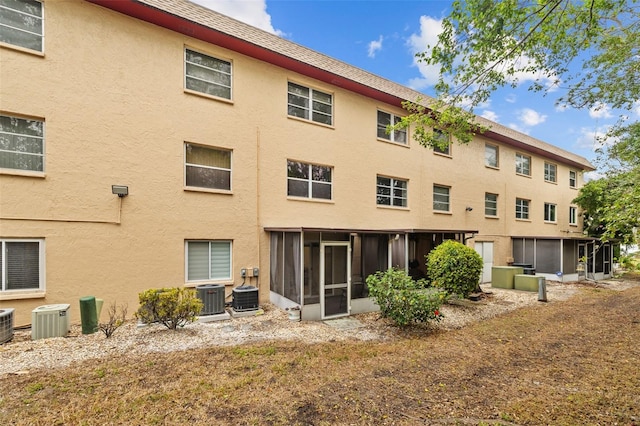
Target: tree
(589, 49)
(612, 203)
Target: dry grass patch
(564, 363)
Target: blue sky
(383, 36)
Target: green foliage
(171, 307)
(404, 300)
(454, 267)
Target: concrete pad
(241, 314)
(216, 317)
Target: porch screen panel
(375, 250)
(529, 252)
(600, 258)
(291, 273)
(277, 262)
(398, 255)
(518, 250)
(548, 256)
(569, 256)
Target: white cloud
(600, 110)
(374, 46)
(561, 107)
(636, 108)
(252, 12)
(511, 98)
(489, 115)
(593, 138)
(530, 118)
(428, 36)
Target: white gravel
(22, 354)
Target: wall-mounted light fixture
(469, 209)
(120, 190)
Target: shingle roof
(261, 39)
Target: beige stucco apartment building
(240, 150)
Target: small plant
(404, 300)
(117, 317)
(171, 307)
(455, 268)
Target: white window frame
(397, 136)
(227, 277)
(398, 192)
(573, 181)
(313, 98)
(573, 215)
(442, 201)
(4, 267)
(212, 71)
(497, 155)
(310, 181)
(13, 136)
(550, 212)
(523, 164)
(523, 206)
(213, 168)
(8, 29)
(550, 172)
(490, 206)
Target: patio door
(335, 277)
(485, 250)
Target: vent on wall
(50, 321)
(6, 325)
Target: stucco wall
(110, 89)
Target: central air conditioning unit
(212, 296)
(245, 298)
(50, 321)
(6, 325)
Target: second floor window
(550, 172)
(391, 192)
(573, 216)
(207, 167)
(441, 198)
(522, 208)
(549, 212)
(490, 204)
(386, 119)
(208, 75)
(310, 104)
(308, 180)
(523, 164)
(21, 23)
(21, 143)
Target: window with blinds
(208, 260)
(21, 265)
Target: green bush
(454, 267)
(171, 307)
(404, 300)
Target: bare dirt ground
(572, 361)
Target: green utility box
(526, 282)
(503, 276)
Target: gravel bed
(22, 354)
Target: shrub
(404, 300)
(454, 267)
(171, 307)
(116, 319)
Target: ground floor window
(22, 265)
(208, 260)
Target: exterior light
(120, 190)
